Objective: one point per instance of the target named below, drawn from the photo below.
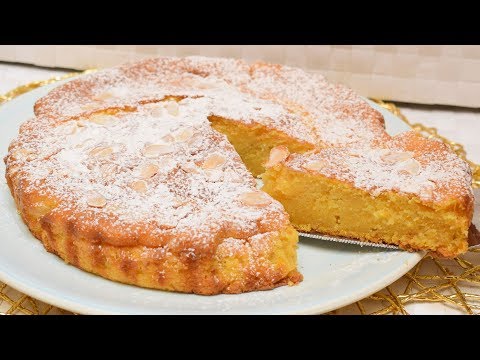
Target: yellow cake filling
(253, 143)
(318, 203)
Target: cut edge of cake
(417, 194)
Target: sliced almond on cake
(393, 157)
(96, 200)
(155, 150)
(101, 151)
(410, 166)
(278, 154)
(184, 134)
(213, 161)
(255, 198)
(139, 186)
(172, 108)
(147, 171)
(101, 119)
(104, 96)
(315, 165)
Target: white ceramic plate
(334, 274)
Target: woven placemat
(455, 283)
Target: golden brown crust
(264, 262)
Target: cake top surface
(321, 105)
(406, 163)
(159, 171)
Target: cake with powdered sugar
(144, 174)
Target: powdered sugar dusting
(407, 164)
(90, 167)
(338, 115)
(304, 106)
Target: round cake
(145, 173)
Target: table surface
(458, 124)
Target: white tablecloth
(459, 124)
